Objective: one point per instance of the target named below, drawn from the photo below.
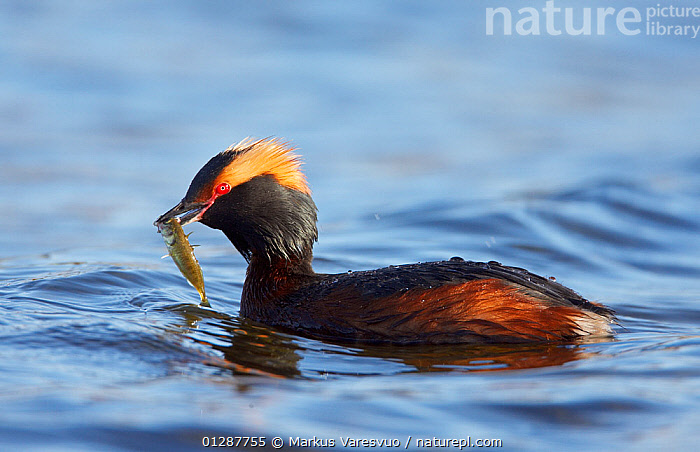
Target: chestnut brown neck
(274, 228)
(269, 280)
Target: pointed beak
(186, 212)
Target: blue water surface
(576, 157)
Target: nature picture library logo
(550, 18)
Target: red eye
(223, 188)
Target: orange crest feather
(269, 156)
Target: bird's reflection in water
(249, 348)
(244, 347)
(480, 358)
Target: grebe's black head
(257, 195)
